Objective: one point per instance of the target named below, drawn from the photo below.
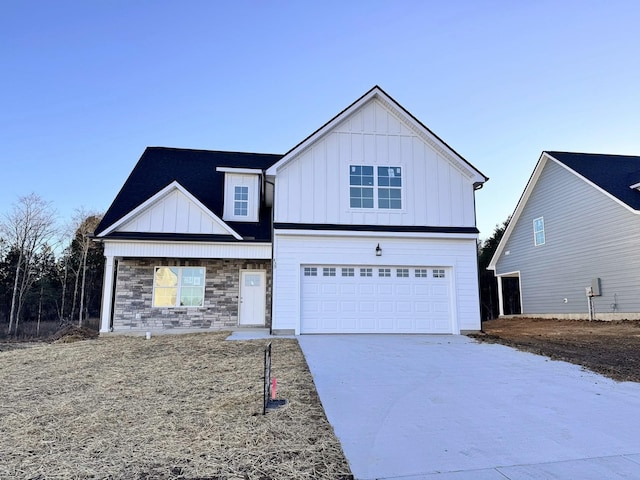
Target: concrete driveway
(447, 408)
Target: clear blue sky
(85, 86)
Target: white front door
(253, 293)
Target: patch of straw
(172, 407)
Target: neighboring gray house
(573, 243)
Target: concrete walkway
(447, 408)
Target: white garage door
(366, 299)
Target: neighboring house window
(310, 272)
(402, 272)
(348, 272)
(538, 231)
(329, 272)
(241, 201)
(422, 272)
(384, 189)
(438, 273)
(178, 287)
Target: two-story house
(366, 226)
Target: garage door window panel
(348, 272)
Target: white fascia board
(187, 249)
(518, 211)
(351, 233)
(515, 273)
(635, 186)
(251, 171)
(166, 190)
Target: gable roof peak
(376, 92)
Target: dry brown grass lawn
(172, 407)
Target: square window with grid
(329, 272)
(382, 190)
(421, 272)
(389, 187)
(310, 272)
(178, 286)
(384, 272)
(402, 272)
(348, 272)
(438, 273)
(366, 272)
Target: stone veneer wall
(134, 290)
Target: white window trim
(375, 187)
(178, 287)
(535, 232)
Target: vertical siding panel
(368, 117)
(335, 174)
(382, 150)
(321, 186)
(369, 149)
(433, 185)
(181, 220)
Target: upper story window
(538, 231)
(241, 201)
(178, 287)
(375, 187)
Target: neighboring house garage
(375, 299)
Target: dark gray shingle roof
(613, 173)
(196, 171)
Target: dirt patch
(172, 407)
(608, 348)
(71, 333)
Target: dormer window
(240, 200)
(241, 194)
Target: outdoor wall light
(378, 251)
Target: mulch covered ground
(172, 407)
(608, 348)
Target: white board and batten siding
(456, 256)
(314, 187)
(174, 213)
